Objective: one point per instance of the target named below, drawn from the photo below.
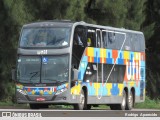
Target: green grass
(148, 104)
(8, 103)
(11, 105)
(61, 106)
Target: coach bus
(80, 64)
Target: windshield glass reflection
(45, 37)
(48, 69)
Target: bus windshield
(49, 69)
(45, 37)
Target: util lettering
(133, 69)
(42, 52)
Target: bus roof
(50, 23)
(68, 23)
(109, 27)
(117, 29)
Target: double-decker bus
(81, 64)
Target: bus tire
(82, 104)
(120, 106)
(34, 106)
(129, 103)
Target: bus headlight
(60, 91)
(21, 91)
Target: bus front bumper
(62, 98)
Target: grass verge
(8, 103)
(148, 104)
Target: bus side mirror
(75, 74)
(74, 77)
(13, 74)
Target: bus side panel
(107, 87)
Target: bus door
(99, 63)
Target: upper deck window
(45, 37)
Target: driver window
(79, 44)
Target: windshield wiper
(33, 75)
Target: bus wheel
(129, 103)
(122, 106)
(34, 106)
(82, 104)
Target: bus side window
(104, 39)
(98, 40)
(127, 44)
(137, 45)
(142, 43)
(77, 39)
(111, 40)
(119, 39)
(79, 44)
(91, 37)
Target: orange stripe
(114, 54)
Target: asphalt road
(78, 113)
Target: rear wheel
(121, 106)
(129, 104)
(82, 99)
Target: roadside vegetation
(149, 104)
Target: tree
(107, 12)
(75, 11)
(153, 16)
(12, 17)
(47, 9)
(153, 43)
(5, 47)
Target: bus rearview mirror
(75, 74)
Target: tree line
(140, 15)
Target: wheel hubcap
(82, 99)
(123, 105)
(130, 99)
(123, 101)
